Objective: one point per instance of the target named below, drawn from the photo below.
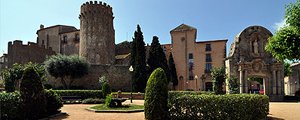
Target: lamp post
(196, 78)
(131, 70)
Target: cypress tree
(156, 96)
(138, 61)
(157, 57)
(173, 72)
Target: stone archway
(248, 57)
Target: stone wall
(118, 77)
(20, 53)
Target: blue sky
(214, 19)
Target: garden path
(278, 111)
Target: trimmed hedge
(219, 107)
(84, 94)
(174, 94)
(93, 101)
(11, 109)
(10, 104)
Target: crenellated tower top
(95, 7)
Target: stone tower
(97, 34)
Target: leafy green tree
(173, 72)
(156, 96)
(138, 61)
(218, 77)
(33, 97)
(292, 14)
(287, 69)
(62, 66)
(11, 76)
(286, 41)
(157, 57)
(14, 74)
(233, 85)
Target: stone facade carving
(248, 58)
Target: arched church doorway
(248, 58)
(256, 85)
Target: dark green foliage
(257, 79)
(93, 101)
(287, 69)
(138, 61)
(62, 66)
(233, 85)
(157, 58)
(48, 86)
(10, 106)
(173, 72)
(106, 89)
(218, 78)
(13, 75)
(32, 94)
(220, 107)
(286, 41)
(156, 96)
(108, 101)
(84, 94)
(54, 102)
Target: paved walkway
(78, 112)
(285, 110)
(278, 111)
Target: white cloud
(280, 24)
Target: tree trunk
(63, 82)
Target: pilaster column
(274, 83)
(279, 83)
(241, 81)
(246, 81)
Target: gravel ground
(78, 112)
(278, 111)
(284, 110)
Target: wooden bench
(117, 102)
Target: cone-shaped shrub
(106, 89)
(156, 98)
(33, 98)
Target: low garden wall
(83, 94)
(218, 107)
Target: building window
(208, 67)
(65, 39)
(207, 47)
(191, 66)
(77, 38)
(43, 43)
(208, 58)
(191, 56)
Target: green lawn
(125, 107)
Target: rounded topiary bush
(33, 97)
(54, 102)
(106, 89)
(156, 96)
